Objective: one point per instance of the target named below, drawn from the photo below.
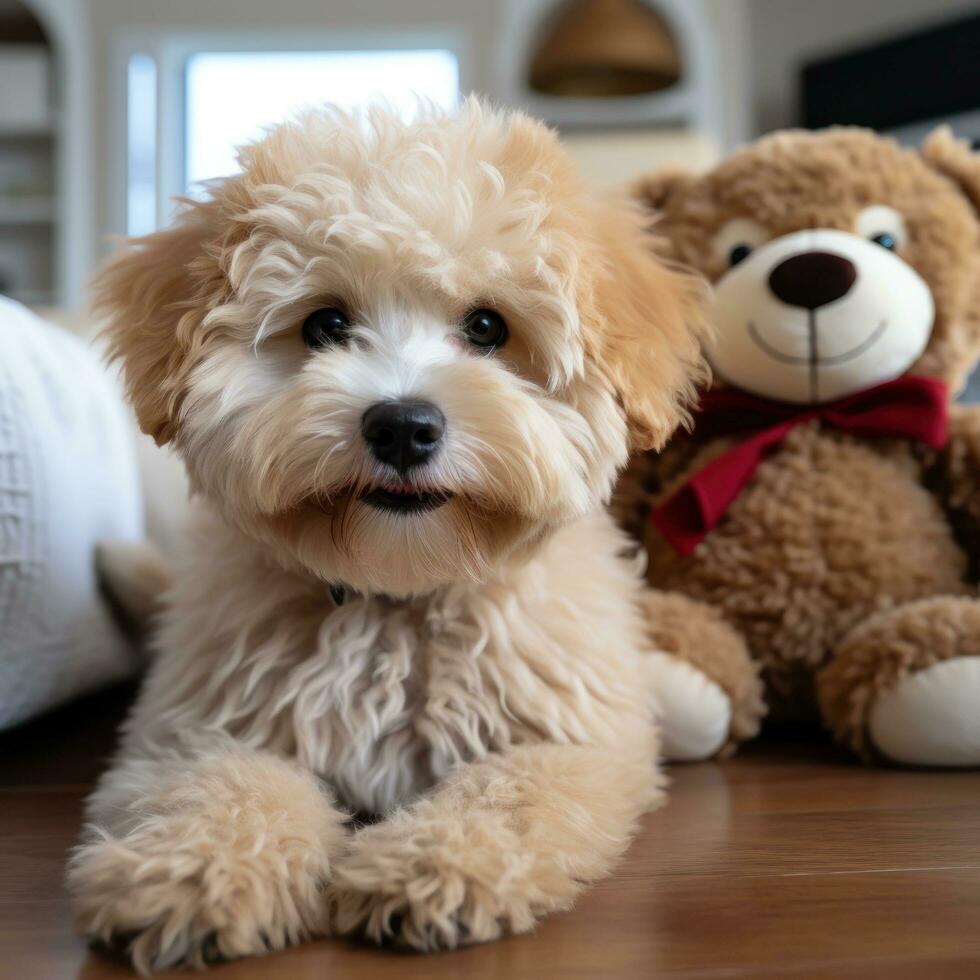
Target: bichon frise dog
(403, 363)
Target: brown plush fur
(833, 530)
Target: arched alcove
(607, 48)
(693, 101)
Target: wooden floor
(786, 862)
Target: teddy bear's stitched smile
(814, 356)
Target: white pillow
(68, 479)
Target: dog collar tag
(339, 594)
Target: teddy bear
(816, 533)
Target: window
(231, 97)
(141, 145)
(190, 100)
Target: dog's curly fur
(483, 686)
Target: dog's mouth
(403, 498)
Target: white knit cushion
(68, 479)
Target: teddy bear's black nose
(403, 434)
(812, 279)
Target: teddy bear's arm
(958, 483)
(646, 480)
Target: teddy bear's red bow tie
(909, 407)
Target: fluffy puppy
(403, 363)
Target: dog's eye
(485, 329)
(885, 240)
(739, 253)
(325, 327)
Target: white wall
(785, 34)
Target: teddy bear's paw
(708, 695)
(905, 684)
(694, 713)
(437, 882)
(931, 717)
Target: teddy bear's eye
(485, 329)
(330, 325)
(739, 253)
(737, 239)
(883, 226)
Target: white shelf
(17, 133)
(25, 73)
(32, 297)
(26, 210)
(673, 107)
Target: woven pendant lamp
(605, 48)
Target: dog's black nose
(812, 279)
(403, 434)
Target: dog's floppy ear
(646, 328)
(151, 294)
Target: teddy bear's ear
(654, 191)
(644, 326)
(954, 159)
(955, 352)
(150, 293)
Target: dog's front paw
(428, 880)
(231, 863)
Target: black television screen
(932, 74)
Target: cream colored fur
(484, 689)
